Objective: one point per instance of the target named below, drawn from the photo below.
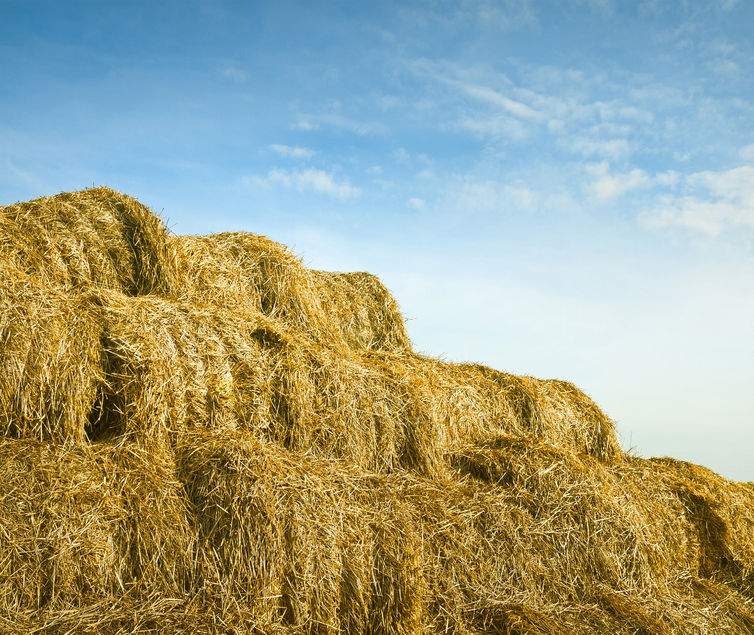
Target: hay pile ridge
(199, 434)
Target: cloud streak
(293, 152)
(311, 180)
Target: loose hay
(199, 434)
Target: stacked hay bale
(201, 434)
(96, 237)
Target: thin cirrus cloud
(560, 106)
(310, 180)
(309, 123)
(493, 97)
(292, 152)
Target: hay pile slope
(199, 434)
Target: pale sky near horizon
(562, 189)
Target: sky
(562, 189)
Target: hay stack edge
(200, 435)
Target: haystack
(93, 238)
(199, 434)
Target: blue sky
(564, 189)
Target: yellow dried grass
(199, 434)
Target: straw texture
(200, 434)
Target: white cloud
(563, 103)
(476, 196)
(609, 185)
(494, 98)
(670, 179)
(522, 196)
(389, 102)
(305, 124)
(293, 152)
(234, 73)
(608, 148)
(336, 120)
(713, 201)
(417, 203)
(309, 180)
(501, 15)
(507, 15)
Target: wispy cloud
(500, 127)
(234, 73)
(309, 122)
(500, 15)
(607, 185)
(712, 201)
(470, 195)
(493, 97)
(594, 147)
(578, 113)
(312, 180)
(293, 152)
(728, 5)
(305, 123)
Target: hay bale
(619, 532)
(721, 513)
(334, 309)
(234, 267)
(335, 549)
(364, 311)
(154, 538)
(58, 517)
(92, 238)
(456, 403)
(50, 362)
(321, 559)
(89, 526)
(171, 365)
